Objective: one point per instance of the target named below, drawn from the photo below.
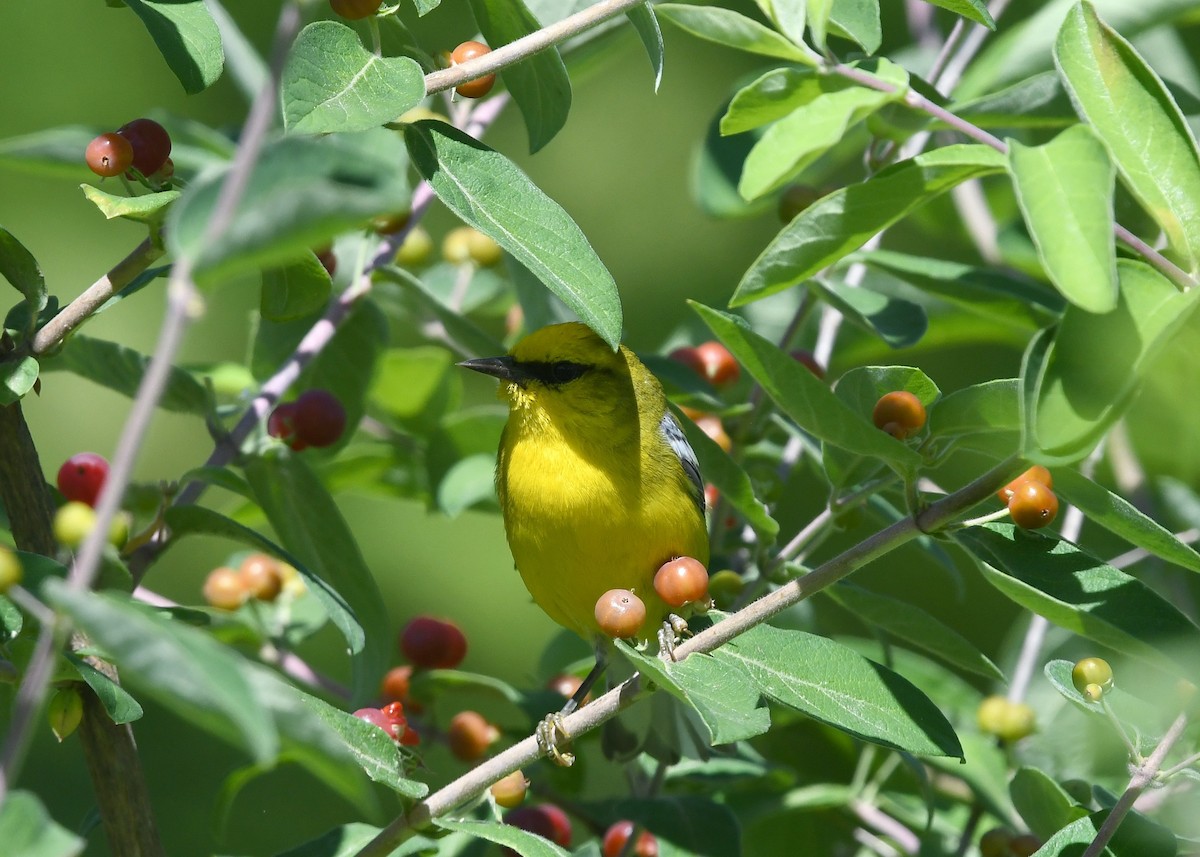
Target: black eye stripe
(559, 372)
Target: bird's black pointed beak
(504, 368)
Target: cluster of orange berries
(1030, 501)
(259, 577)
(679, 582)
(551, 823)
(142, 144)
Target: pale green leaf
(729, 28)
(17, 377)
(844, 220)
(1043, 804)
(295, 290)
(1140, 123)
(818, 18)
(1065, 190)
(20, 268)
(1136, 836)
(897, 322)
(857, 20)
(992, 406)
(973, 10)
(522, 842)
(148, 208)
(27, 830)
(188, 38)
(117, 702)
(646, 23)
(332, 83)
(490, 192)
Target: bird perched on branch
(597, 484)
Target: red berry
(689, 357)
(319, 418)
(900, 414)
(720, 368)
(510, 791)
(261, 576)
(109, 155)
(1037, 473)
(282, 424)
(566, 685)
(375, 716)
(681, 580)
(354, 10)
(711, 495)
(620, 613)
(81, 478)
(546, 820)
(410, 738)
(1033, 505)
(470, 735)
(151, 145)
(432, 643)
(481, 86)
(618, 834)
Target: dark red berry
(432, 643)
(545, 820)
(151, 144)
(319, 418)
(282, 424)
(82, 476)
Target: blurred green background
(621, 168)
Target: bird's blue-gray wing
(673, 434)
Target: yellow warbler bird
(596, 481)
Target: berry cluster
(1030, 501)
(1092, 677)
(681, 581)
(258, 576)
(316, 418)
(142, 144)
(391, 720)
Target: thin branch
(80, 310)
(869, 814)
(527, 46)
(1141, 778)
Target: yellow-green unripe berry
(415, 249)
(72, 522)
(1007, 720)
(65, 712)
(467, 244)
(10, 569)
(724, 588)
(118, 530)
(1093, 692)
(1091, 671)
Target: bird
(597, 484)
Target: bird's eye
(564, 371)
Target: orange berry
(225, 589)
(618, 834)
(470, 735)
(1037, 473)
(719, 366)
(681, 581)
(261, 576)
(689, 357)
(712, 426)
(481, 86)
(395, 684)
(510, 791)
(566, 685)
(620, 613)
(899, 413)
(109, 155)
(1033, 505)
(995, 843)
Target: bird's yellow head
(566, 378)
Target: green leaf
(728, 477)
(1137, 836)
(26, 829)
(309, 524)
(1065, 190)
(1039, 101)
(460, 330)
(22, 271)
(539, 84)
(794, 142)
(972, 10)
(1058, 673)
(183, 669)
(195, 520)
(788, 16)
(897, 322)
(843, 221)
(857, 20)
(773, 96)
(468, 482)
(524, 843)
(1055, 579)
(910, 623)
(684, 824)
(834, 684)
(121, 369)
(646, 23)
(302, 193)
(724, 697)
(294, 291)
(1042, 803)
(1133, 113)
(246, 67)
(1096, 361)
(716, 167)
(349, 839)
(1119, 516)
(993, 406)
(121, 707)
(990, 293)
(148, 208)
(490, 192)
(11, 620)
(804, 397)
(17, 377)
(416, 386)
(332, 83)
(726, 27)
(187, 37)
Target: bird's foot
(549, 733)
(672, 631)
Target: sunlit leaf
(187, 37)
